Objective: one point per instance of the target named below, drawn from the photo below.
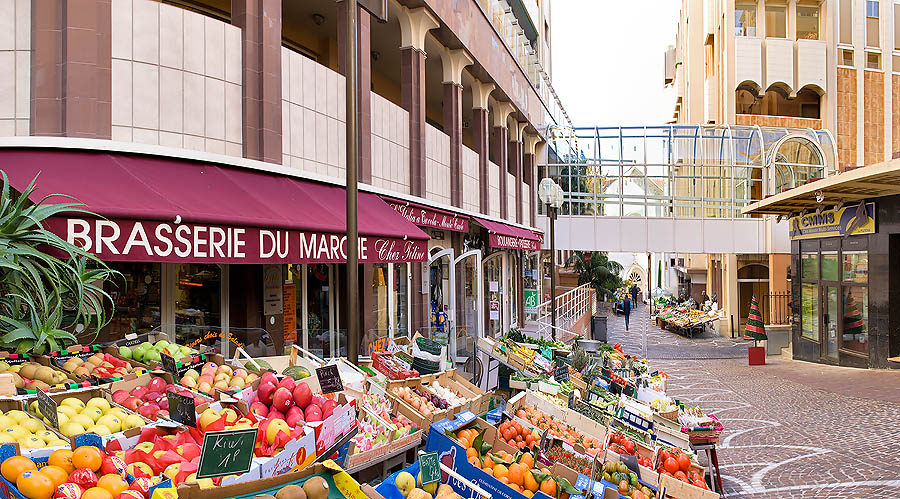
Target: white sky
(607, 65)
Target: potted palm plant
(50, 289)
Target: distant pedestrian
(626, 308)
(634, 294)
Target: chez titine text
(202, 241)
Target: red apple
(275, 414)
(132, 403)
(266, 392)
(259, 409)
(157, 384)
(282, 400)
(287, 382)
(302, 395)
(120, 395)
(268, 376)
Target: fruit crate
(84, 352)
(20, 363)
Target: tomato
(684, 463)
(700, 483)
(663, 455)
(629, 448)
(681, 476)
(671, 465)
(623, 487)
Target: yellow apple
(71, 428)
(110, 422)
(84, 420)
(99, 429)
(275, 427)
(17, 432)
(32, 425)
(17, 416)
(146, 447)
(31, 442)
(6, 422)
(73, 402)
(68, 410)
(208, 417)
(92, 412)
(99, 403)
(230, 415)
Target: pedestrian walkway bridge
(679, 188)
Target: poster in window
(289, 293)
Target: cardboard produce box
(84, 352)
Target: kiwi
(44, 374)
(264, 496)
(315, 488)
(81, 371)
(40, 384)
(291, 492)
(28, 370)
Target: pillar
(71, 69)
(528, 172)
(414, 24)
(260, 23)
(453, 62)
(364, 93)
(481, 134)
(502, 110)
(515, 165)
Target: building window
(137, 296)
(776, 21)
(745, 19)
(829, 266)
(401, 299)
(809, 311)
(873, 60)
(873, 38)
(846, 57)
(855, 335)
(846, 22)
(807, 22)
(380, 311)
(776, 102)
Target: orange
(470, 452)
(14, 466)
(528, 493)
(35, 485)
(489, 470)
(113, 483)
(527, 460)
(548, 487)
(57, 474)
(530, 483)
(87, 457)
(501, 471)
(465, 442)
(504, 479)
(63, 459)
(474, 461)
(515, 487)
(96, 493)
(516, 474)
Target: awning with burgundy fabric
(177, 210)
(505, 236)
(428, 216)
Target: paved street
(792, 429)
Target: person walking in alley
(626, 309)
(635, 291)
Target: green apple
(125, 352)
(152, 356)
(161, 344)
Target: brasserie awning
(175, 210)
(505, 236)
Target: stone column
(260, 23)
(530, 174)
(364, 93)
(453, 62)
(515, 165)
(414, 24)
(502, 110)
(71, 69)
(481, 134)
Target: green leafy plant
(49, 288)
(595, 268)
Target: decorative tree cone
(756, 356)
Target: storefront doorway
(442, 297)
(493, 287)
(469, 317)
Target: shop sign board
(430, 218)
(849, 220)
(531, 301)
(513, 242)
(154, 241)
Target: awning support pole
(352, 212)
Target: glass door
(493, 287)
(468, 303)
(830, 318)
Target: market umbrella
(756, 331)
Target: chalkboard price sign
(561, 373)
(572, 399)
(47, 406)
(226, 452)
(169, 364)
(330, 379)
(182, 409)
(429, 467)
(631, 462)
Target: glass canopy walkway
(682, 171)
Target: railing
(571, 307)
(776, 308)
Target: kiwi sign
(47, 406)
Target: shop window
(846, 22)
(873, 37)
(137, 300)
(809, 311)
(401, 299)
(809, 266)
(807, 22)
(380, 312)
(198, 300)
(776, 21)
(318, 317)
(776, 102)
(856, 266)
(873, 60)
(846, 57)
(829, 266)
(856, 319)
(745, 19)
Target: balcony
(780, 63)
(810, 63)
(748, 59)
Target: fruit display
(85, 473)
(296, 372)
(676, 463)
(218, 377)
(18, 427)
(96, 415)
(443, 393)
(100, 365)
(627, 481)
(314, 487)
(412, 488)
(559, 430)
(151, 400)
(149, 353)
(425, 403)
(513, 433)
(33, 376)
(289, 401)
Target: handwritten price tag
(227, 452)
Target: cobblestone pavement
(782, 438)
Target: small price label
(47, 406)
(631, 462)
(228, 452)
(572, 399)
(429, 467)
(330, 379)
(561, 373)
(169, 364)
(182, 409)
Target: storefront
(845, 263)
(224, 255)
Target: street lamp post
(551, 194)
(352, 210)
